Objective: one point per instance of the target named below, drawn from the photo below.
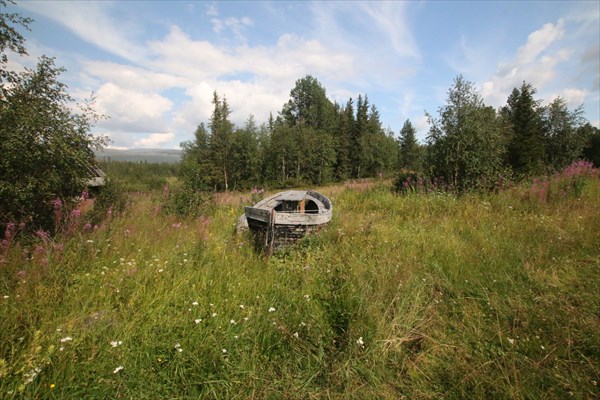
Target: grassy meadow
(421, 296)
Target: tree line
(313, 140)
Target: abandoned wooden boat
(287, 216)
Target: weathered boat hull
(274, 229)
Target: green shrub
(110, 200)
(185, 202)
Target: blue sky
(153, 66)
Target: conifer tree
(409, 151)
(526, 149)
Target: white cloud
(535, 62)
(211, 10)
(91, 22)
(539, 41)
(390, 18)
(573, 97)
(154, 140)
(131, 77)
(232, 23)
(131, 111)
(421, 125)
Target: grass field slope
(420, 296)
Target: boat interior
(304, 206)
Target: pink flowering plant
(568, 183)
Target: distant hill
(140, 155)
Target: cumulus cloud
(535, 62)
(154, 140)
(573, 97)
(131, 111)
(539, 41)
(132, 77)
(421, 124)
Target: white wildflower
(296, 335)
(271, 309)
(195, 303)
(360, 342)
(30, 376)
(232, 322)
(66, 339)
(116, 343)
(197, 321)
(214, 314)
(119, 368)
(511, 341)
(224, 351)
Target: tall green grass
(418, 296)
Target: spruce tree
(409, 150)
(526, 150)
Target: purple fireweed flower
(76, 213)
(21, 274)
(42, 234)
(87, 226)
(10, 230)
(57, 203)
(84, 195)
(109, 212)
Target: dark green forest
(313, 140)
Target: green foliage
(196, 169)
(11, 39)
(465, 145)
(410, 154)
(139, 176)
(526, 153)
(110, 201)
(564, 140)
(223, 158)
(40, 132)
(308, 105)
(184, 202)
(418, 183)
(591, 150)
